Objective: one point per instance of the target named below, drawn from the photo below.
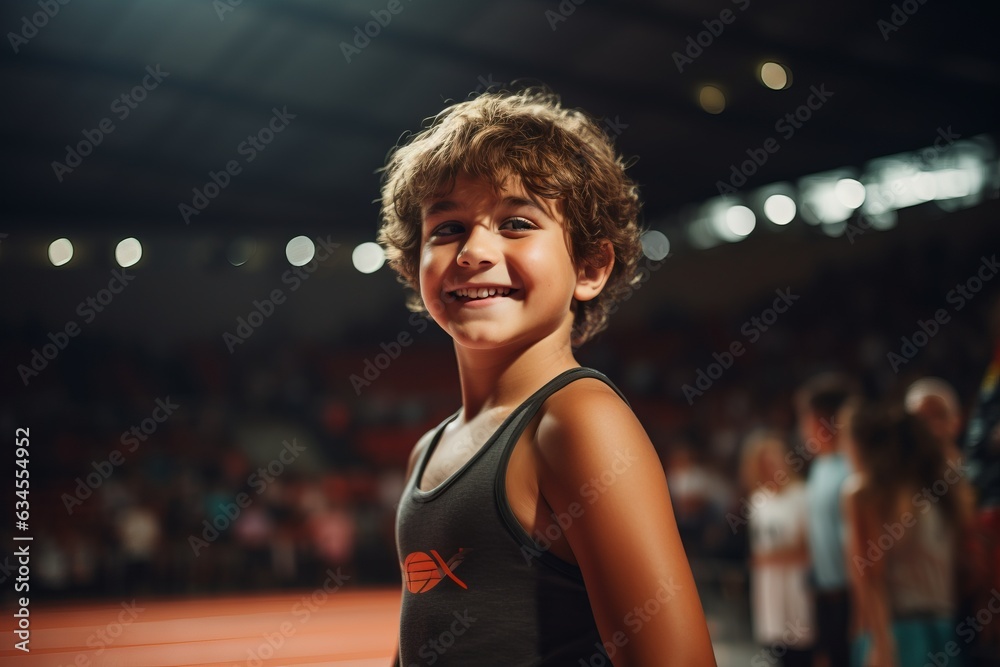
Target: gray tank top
(477, 589)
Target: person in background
(690, 483)
(982, 458)
(902, 542)
(817, 403)
(781, 600)
(934, 402)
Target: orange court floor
(303, 629)
(306, 628)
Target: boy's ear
(590, 279)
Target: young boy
(536, 526)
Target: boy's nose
(479, 248)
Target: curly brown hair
(557, 153)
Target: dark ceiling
(230, 64)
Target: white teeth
(481, 292)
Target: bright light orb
(128, 252)
(849, 192)
(740, 220)
(774, 76)
(60, 251)
(300, 251)
(368, 257)
(779, 209)
(655, 245)
(712, 99)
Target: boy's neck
(506, 377)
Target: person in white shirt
(781, 601)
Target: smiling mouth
(478, 293)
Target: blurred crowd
(221, 473)
(868, 498)
(277, 463)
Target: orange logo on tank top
(423, 572)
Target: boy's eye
(517, 224)
(447, 229)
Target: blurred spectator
(53, 563)
(699, 497)
(817, 403)
(254, 533)
(935, 403)
(905, 528)
(982, 445)
(780, 597)
(332, 530)
(982, 455)
(84, 559)
(139, 534)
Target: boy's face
(475, 241)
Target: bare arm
(594, 453)
(868, 576)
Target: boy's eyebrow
(517, 202)
(441, 206)
(511, 201)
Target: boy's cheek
(434, 306)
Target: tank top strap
(504, 446)
(558, 382)
(497, 448)
(511, 430)
(421, 462)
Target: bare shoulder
(855, 495)
(587, 418)
(583, 404)
(851, 486)
(587, 430)
(854, 489)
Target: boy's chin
(470, 338)
(488, 336)
(484, 336)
